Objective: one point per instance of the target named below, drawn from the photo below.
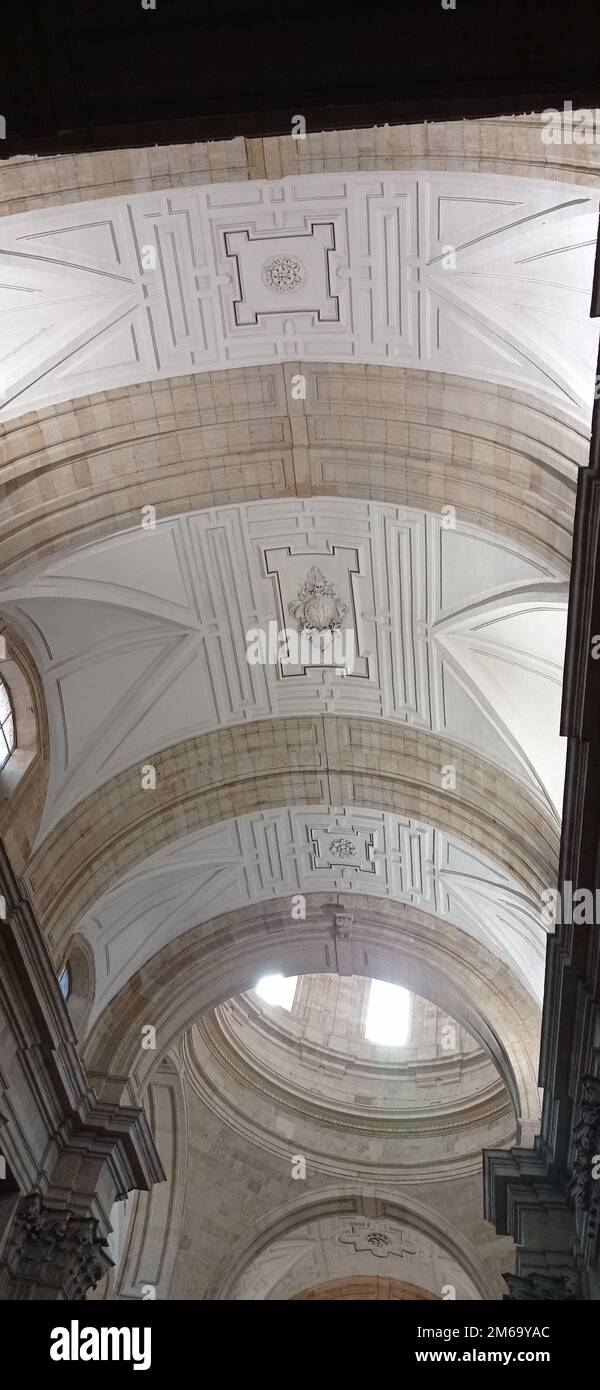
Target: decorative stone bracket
(343, 943)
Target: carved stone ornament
(343, 921)
(317, 607)
(564, 1285)
(53, 1251)
(584, 1189)
(342, 849)
(343, 926)
(284, 274)
(380, 1242)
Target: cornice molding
(245, 1099)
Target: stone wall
(235, 1190)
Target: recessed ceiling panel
(476, 274)
(444, 629)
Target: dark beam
(78, 75)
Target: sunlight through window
(276, 989)
(388, 1014)
(7, 725)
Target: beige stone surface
(306, 761)
(211, 962)
(85, 469)
(233, 1096)
(500, 145)
(234, 1190)
(354, 1109)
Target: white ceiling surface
(142, 638)
(275, 854)
(475, 274)
(337, 1247)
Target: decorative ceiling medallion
(285, 274)
(317, 607)
(342, 849)
(380, 1243)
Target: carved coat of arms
(317, 607)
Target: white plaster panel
(278, 853)
(142, 638)
(477, 274)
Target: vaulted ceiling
(143, 639)
(305, 850)
(480, 275)
(440, 526)
(332, 1247)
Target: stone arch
(315, 760)
(209, 964)
(245, 1080)
(82, 470)
(339, 1201)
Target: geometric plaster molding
(279, 853)
(142, 639)
(481, 275)
(303, 761)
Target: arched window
(7, 725)
(388, 1014)
(278, 990)
(64, 982)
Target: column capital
(50, 1253)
